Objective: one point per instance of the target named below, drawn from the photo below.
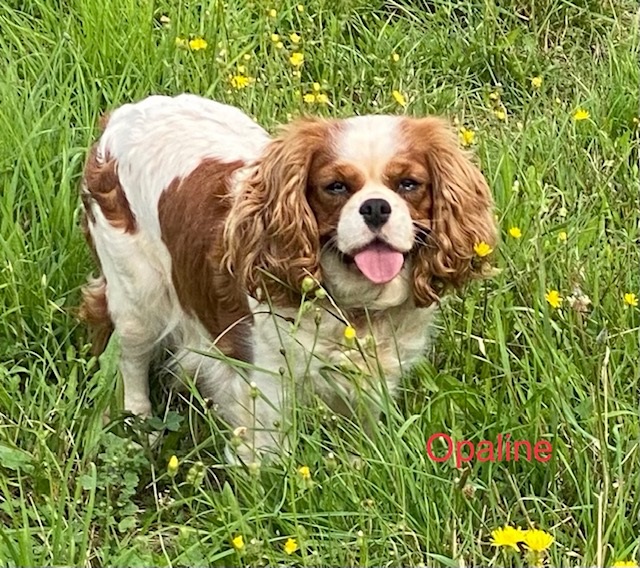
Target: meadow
(543, 92)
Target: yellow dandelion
(500, 114)
(296, 59)
(172, 466)
(631, 299)
(395, 57)
(625, 564)
(349, 333)
(322, 99)
(562, 236)
(295, 38)
(238, 542)
(300, 8)
(290, 546)
(196, 44)
(494, 96)
(467, 137)
(515, 232)
(581, 114)
(279, 45)
(273, 13)
(482, 249)
(537, 540)
(399, 98)
(553, 298)
(304, 472)
(507, 536)
(309, 98)
(181, 42)
(316, 87)
(275, 38)
(240, 81)
(536, 82)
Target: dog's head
(379, 209)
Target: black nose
(376, 212)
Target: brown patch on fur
(271, 238)
(325, 205)
(103, 121)
(457, 215)
(102, 186)
(94, 311)
(192, 212)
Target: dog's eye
(408, 184)
(337, 188)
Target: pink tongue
(379, 263)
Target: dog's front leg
(258, 418)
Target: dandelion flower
(295, 38)
(300, 8)
(273, 13)
(482, 249)
(399, 98)
(304, 472)
(240, 81)
(500, 114)
(172, 466)
(395, 57)
(197, 44)
(515, 232)
(238, 542)
(507, 536)
(296, 59)
(316, 87)
(494, 96)
(290, 546)
(467, 137)
(536, 82)
(279, 45)
(631, 299)
(581, 114)
(554, 299)
(562, 236)
(537, 540)
(322, 99)
(349, 333)
(275, 38)
(625, 564)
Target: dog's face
(379, 209)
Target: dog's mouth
(378, 261)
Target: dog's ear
(461, 215)
(271, 235)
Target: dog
(269, 269)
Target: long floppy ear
(271, 236)
(461, 214)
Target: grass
(75, 492)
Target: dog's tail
(94, 311)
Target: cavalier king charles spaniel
(271, 269)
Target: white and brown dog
(205, 229)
